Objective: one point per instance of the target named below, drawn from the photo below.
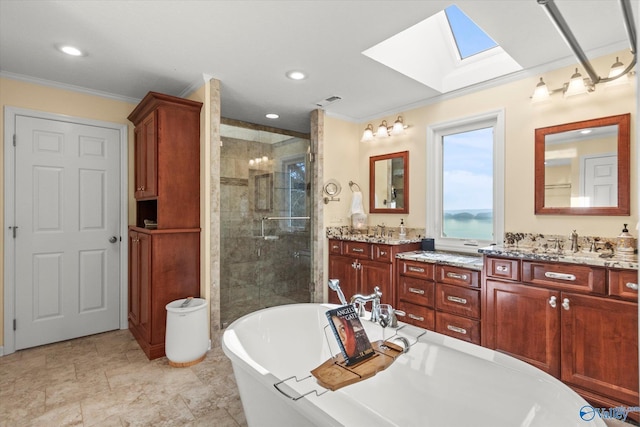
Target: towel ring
(353, 184)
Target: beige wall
(19, 94)
(346, 158)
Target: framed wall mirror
(389, 183)
(582, 168)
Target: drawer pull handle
(632, 286)
(502, 268)
(457, 276)
(552, 302)
(456, 299)
(416, 269)
(416, 291)
(335, 247)
(414, 317)
(357, 250)
(457, 329)
(560, 276)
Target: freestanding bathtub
(440, 382)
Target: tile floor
(106, 380)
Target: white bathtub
(440, 382)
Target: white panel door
(67, 179)
(600, 180)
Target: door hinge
(14, 324)
(14, 139)
(14, 230)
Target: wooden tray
(334, 374)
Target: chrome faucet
(574, 242)
(334, 284)
(361, 300)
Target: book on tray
(350, 334)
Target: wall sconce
(578, 85)
(384, 130)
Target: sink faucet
(375, 303)
(574, 241)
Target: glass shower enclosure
(265, 229)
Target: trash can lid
(193, 305)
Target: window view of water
(468, 224)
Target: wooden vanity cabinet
(164, 263)
(416, 293)
(457, 302)
(569, 320)
(361, 266)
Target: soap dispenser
(625, 243)
(403, 231)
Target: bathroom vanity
(362, 265)
(441, 292)
(573, 317)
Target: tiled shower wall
(256, 272)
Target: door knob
(113, 239)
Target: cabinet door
(600, 346)
(144, 268)
(134, 279)
(378, 274)
(524, 322)
(146, 158)
(343, 269)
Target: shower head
(334, 285)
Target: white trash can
(187, 335)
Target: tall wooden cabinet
(576, 322)
(164, 243)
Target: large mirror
(389, 183)
(582, 168)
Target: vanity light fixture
(384, 130)
(577, 84)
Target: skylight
(427, 52)
(470, 39)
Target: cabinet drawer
(419, 270)
(335, 247)
(416, 291)
(381, 253)
(457, 276)
(500, 268)
(564, 276)
(417, 315)
(360, 250)
(457, 300)
(624, 284)
(458, 327)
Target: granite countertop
(586, 258)
(473, 262)
(375, 239)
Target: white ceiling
(169, 46)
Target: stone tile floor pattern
(106, 380)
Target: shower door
(265, 229)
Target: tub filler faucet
(334, 285)
(361, 300)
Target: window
(465, 188)
(295, 184)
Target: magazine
(350, 334)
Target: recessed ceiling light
(272, 116)
(296, 75)
(70, 50)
